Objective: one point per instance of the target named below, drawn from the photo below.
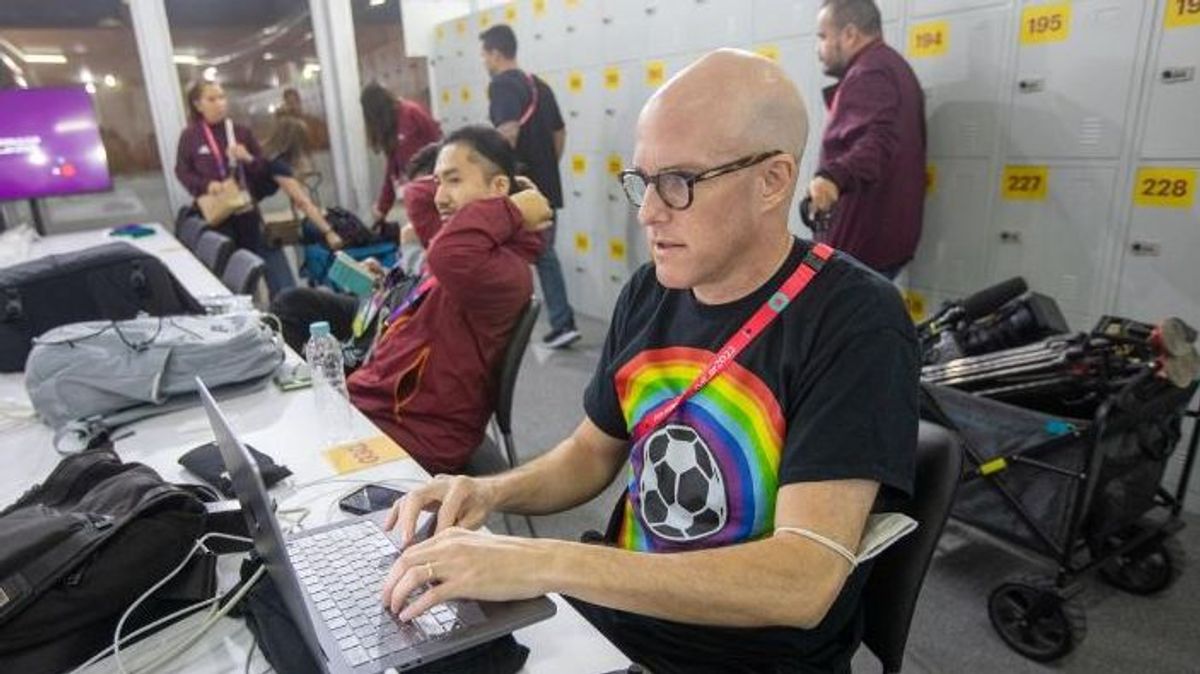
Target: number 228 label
(1165, 187)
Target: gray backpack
(87, 378)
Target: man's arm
(511, 132)
(873, 101)
(785, 579)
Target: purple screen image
(50, 144)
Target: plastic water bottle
(324, 355)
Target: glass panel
(68, 43)
(262, 54)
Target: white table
(287, 427)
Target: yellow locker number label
(575, 82)
(1165, 187)
(465, 94)
(352, 456)
(539, 8)
(915, 303)
(1181, 13)
(460, 26)
(578, 164)
(441, 33)
(615, 164)
(572, 4)
(1025, 183)
(929, 39)
(485, 19)
(446, 97)
(769, 51)
(1042, 24)
(612, 78)
(656, 72)
(616, 249)
(582, 243)
(930, 179)
(510, 14)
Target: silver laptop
(331, 580)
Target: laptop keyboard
(343, 570)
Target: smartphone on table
(369, 498)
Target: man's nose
(654, 210)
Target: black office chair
(188, 228)
(487, 459)
(214, 250)
(243, 272)
(891, 592)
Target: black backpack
(349, 228)
(78, 549)
(114, 281)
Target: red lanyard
(214, 148)
(795, 284)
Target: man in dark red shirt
(430, 382)
(869, 190)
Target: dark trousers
(299, 307)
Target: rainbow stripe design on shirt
(739, 420)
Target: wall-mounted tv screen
(50, 144)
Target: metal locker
(1056, 231)
(893, 35)
(773, 19)
(582, 41)
(619, 231)
(685, 25)
(798, 58)
(891, 10)
(625, 30)
(1159, 274)
(580, 102)
(927, 7)
(1059, 108)
(539, 27)
(955, 235)
(577, 224)
(621, 94)
(1173, 100)
(959, 60)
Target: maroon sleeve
(867, 108)
(432, 130)
(387, 192)
(185, 166)
(472, 261)
(421, 210)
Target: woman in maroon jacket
(398, 129)
(206, 157)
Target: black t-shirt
(510, 96)
(827, 392)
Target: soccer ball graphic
(682, 490)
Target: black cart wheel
(1035, 619)
(1148, 569)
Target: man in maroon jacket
(430, 382)
(869, 190)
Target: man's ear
(778, 179)
(501, 185)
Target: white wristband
(814, 536)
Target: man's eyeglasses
(677, 188)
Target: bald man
(747, 492)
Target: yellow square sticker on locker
(931, 38)
(1043, 24)
(575, 82)
(616, 249)
(656, 72)
(460, 26)
(441, 33)
(1025, 183)
(930, 179)
(539, 8)
(769, 51)
(485, 19)
(1180, 13)
(571, 4)
(510, 13)
(612, 78)
(578, 164)
(446, 97)
(615, 164)
(465, 94)
(1165, 187)
(582, 243)
(359, 454)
